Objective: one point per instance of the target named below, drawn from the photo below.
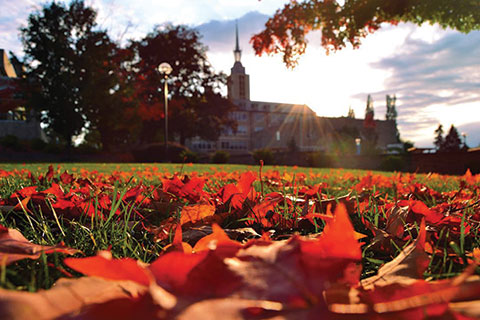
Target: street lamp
(358, 142)
(165, 69)
(464, 135)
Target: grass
(125, 235)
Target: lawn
(209, 236)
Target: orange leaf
(196, 213)
(338, 237)
(107, 268)
(177, 243)
(218, 239)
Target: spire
(237, 52)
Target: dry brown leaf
(14, 246)
(233, 308)
(406, 268)
(67, 296)
(192, 235)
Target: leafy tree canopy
(194, 87)
(54, 41)
(347, 22)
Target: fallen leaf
(407, 267)
(65, 297)
(14, 246)
(196, 213)
(105, 267)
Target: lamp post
(358, 142)
(165, 69)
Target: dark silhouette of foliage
(104, 87)
(347, 22)
(351, 113)
(263, 154)
(452, 141)
(439, 140)
(53, 43)
(194, 87)
(221, 156)
(391, 113)
(369, 111)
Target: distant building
(263, 124)
(14, 118)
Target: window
(259, 117)
(238, 116)
(258, 129)
(234, 145)
(242, 130)
(227, 131)
(225, 144)
(254, 106)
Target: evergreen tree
(351, 113)
(452, 140)
(369, 111)
(439, 141)
(391, 110)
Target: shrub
(38, 144)
(220, 157)
(11, 142)
(393, 163)
(189, 156)
(53, 147)
(320, 160)
(155, 152)
(263, 154)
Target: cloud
(435, 82)
(219, 35)
(13, 16)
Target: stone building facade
(15, 120)
(264, 124)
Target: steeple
(239, 81)
(237, 52)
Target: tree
(351, 113)
(452, 141)
(347, 22)
(52, 51)
(391, 109)
(196, 106)
(439, 141)
(104, 88)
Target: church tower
(239, 81)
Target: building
(280, 126)
(252, 116)
(14, 118)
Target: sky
(434, 73)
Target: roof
(6, 67)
